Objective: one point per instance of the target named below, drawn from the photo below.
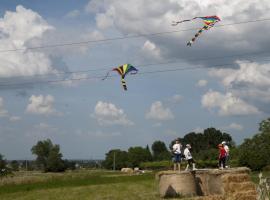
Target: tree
(14, 165)
(254, 152)
(116, 157)
(48, 155)
(3, 166)
(160, 151)
(136, 155)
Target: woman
(221, 157)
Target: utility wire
(124, 37)
(111, 76)
(141, 65)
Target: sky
(222, 81)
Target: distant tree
(3, 166)
(136, 155)
(254, 152)
(117, 157)
(160, 151)
(14, 164)
(48, 155)
(265, 126)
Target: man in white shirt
(189, 158)
(226, 148)
(176, 149)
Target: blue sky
(90, 117)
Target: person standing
(226, 148)
(176, 149)
(221, 157)
(189, 157)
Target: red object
(222, 152)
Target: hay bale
(242, 186)
(177, 184)
(228, 178)
(127, 170)
(248, 195)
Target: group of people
(178, 156)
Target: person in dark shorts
(176, 149)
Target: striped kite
(123, 70)
(209, 22)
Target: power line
(124, 37)
(141, 65)
(111, 76)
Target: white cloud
(17, 30)
(175, 99)
(198, 130)
(150, 49)
(159, 112)
(202, 83)
(73, 14)
(3, 111)
(41, 105)
(109, 114)
(235, 126)
(248, 73)
(251, 81)
(227, 104)
(103, 21)
(14, 118)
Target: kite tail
(174, 23)
(124, 84)
(107, 75)
(197, 35)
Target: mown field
(81, 185)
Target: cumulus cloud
(17, 30)
(14, 118)
(41, 105)
(235, 126)
(150, 49)
(159, 112)
(73, 14)
(149, 16)
(202, 83)
(227, 104)
(108, 114)
(175, 99)
(251, 81)
(3, 111)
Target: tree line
(253, 152)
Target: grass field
(81, 185)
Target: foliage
(120, 157)
(3, 166)
(254, 152)
(160, 151)
(14, 164)
(202, 142)
(263, 187)
(48, 155)
(136, 155)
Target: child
(189, 157)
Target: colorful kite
(209, 22)
(123, 70)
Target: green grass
(86, 185)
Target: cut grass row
(76, 181)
